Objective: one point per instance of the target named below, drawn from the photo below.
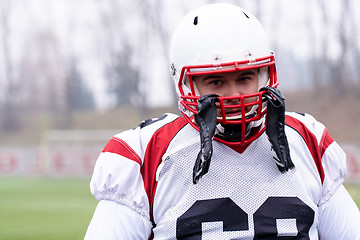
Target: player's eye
(246, 78)
(215, 82)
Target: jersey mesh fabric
(245, 180)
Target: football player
(235, 165)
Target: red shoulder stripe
(119, 146)
(311, 142)
(155, 150)
(326, 140)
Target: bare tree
(354, 42)
(339, 72)
(77, 94)
(319, 61)
(122, 75)
(156, 28)
(50, 73)
(44, 70)
(339, 69)
(348, 36)
(11, 87)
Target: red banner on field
(79, 161)
(59, 161)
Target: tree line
(42, 70)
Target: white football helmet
(219, 38)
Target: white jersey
(149, 170)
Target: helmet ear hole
(245, 14)
(196, 20)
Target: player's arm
(123, 208)
(112, 220)
(339, 217)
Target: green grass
(45, 208)
(354, 190)
(51, 208)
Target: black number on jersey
(188, 226)
(277, 218)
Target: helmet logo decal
(173, 69)
(217, 62)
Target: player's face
(229, 84)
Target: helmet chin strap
(206, 120)
(275, 129)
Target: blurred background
(75, 72)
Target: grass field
(42, 208)
(48, 208)
(354, 190)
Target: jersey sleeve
(108, 223)
(123, 208)
(328, 156)
(332, 158)
(118, 182)
(338, 214)
(334, 165)
(117, 175)
(341, 208)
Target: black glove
(206, 120)
(275, 128)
